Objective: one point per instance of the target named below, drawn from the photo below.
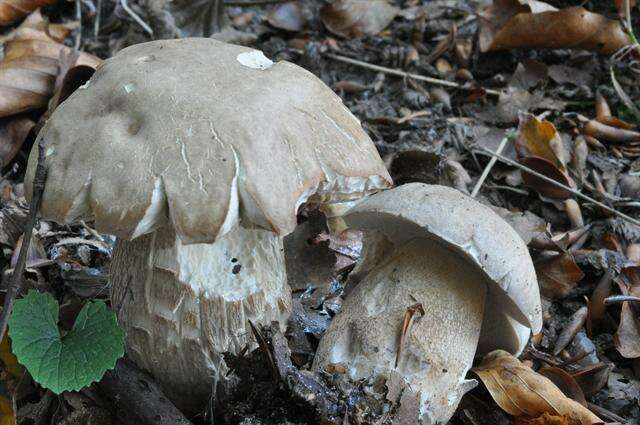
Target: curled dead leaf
(558, 275)
(357, 18)
(13, 10)
(627, 337)
(11, 372)
(522, 392)
(576, 323)
(565, 382)
(608, 133)
(538, 138)
(29, 69)
(13, 132)
(550, 170)
(514, 24)
(592, 378)
(546, 419)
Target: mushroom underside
(183, 306)
(504, 324)
(439, 346)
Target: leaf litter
(551, 92)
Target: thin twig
(143, 24)
(615, 299)
(403, 74)
(489, 166)
(79, 30)
(579, 194)
(96, 23)
(16, 277)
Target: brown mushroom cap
(202, 134)
(475, 232)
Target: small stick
(489, 166)
(614, 299)
(143, 24)
(403, 74)
(79, 30)
(553, 182)
(96, 23)
(16, 277)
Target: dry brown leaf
(13, 10)
(522, 392)
(627, 337)
(11, 372)
(576, 323)
(13, 132)
(565, 383)
(29, 69)
(558, 275)
(550, 170)
(545, 419)
(609, 133)
(513, 24)
(592, 378)
(540, 148)
(538, 138)
(357, 18)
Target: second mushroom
(463, 270)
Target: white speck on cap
(255, 59)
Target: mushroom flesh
(466, 269)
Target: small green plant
(69, 362)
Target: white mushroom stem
(438, 348)
(183, 306)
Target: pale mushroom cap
(203, 134)
(476, 232)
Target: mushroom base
(438, 347)
(183, 306)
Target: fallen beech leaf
(357, 18)
(287, 16)
(558, 275)
(538, 138)
(513, 24)
(565, 383)
(11, 373)
(522, 392)
(29, 69)
(13, 10)
(546, 419)
(550, 170)
(627, 337)
(576, 323)
(13, 132)
(592, 378)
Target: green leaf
(70, 362)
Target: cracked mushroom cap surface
(201, 134)
(475, 232)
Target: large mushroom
(459, 263)
(198, 155)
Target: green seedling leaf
(72, 361)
